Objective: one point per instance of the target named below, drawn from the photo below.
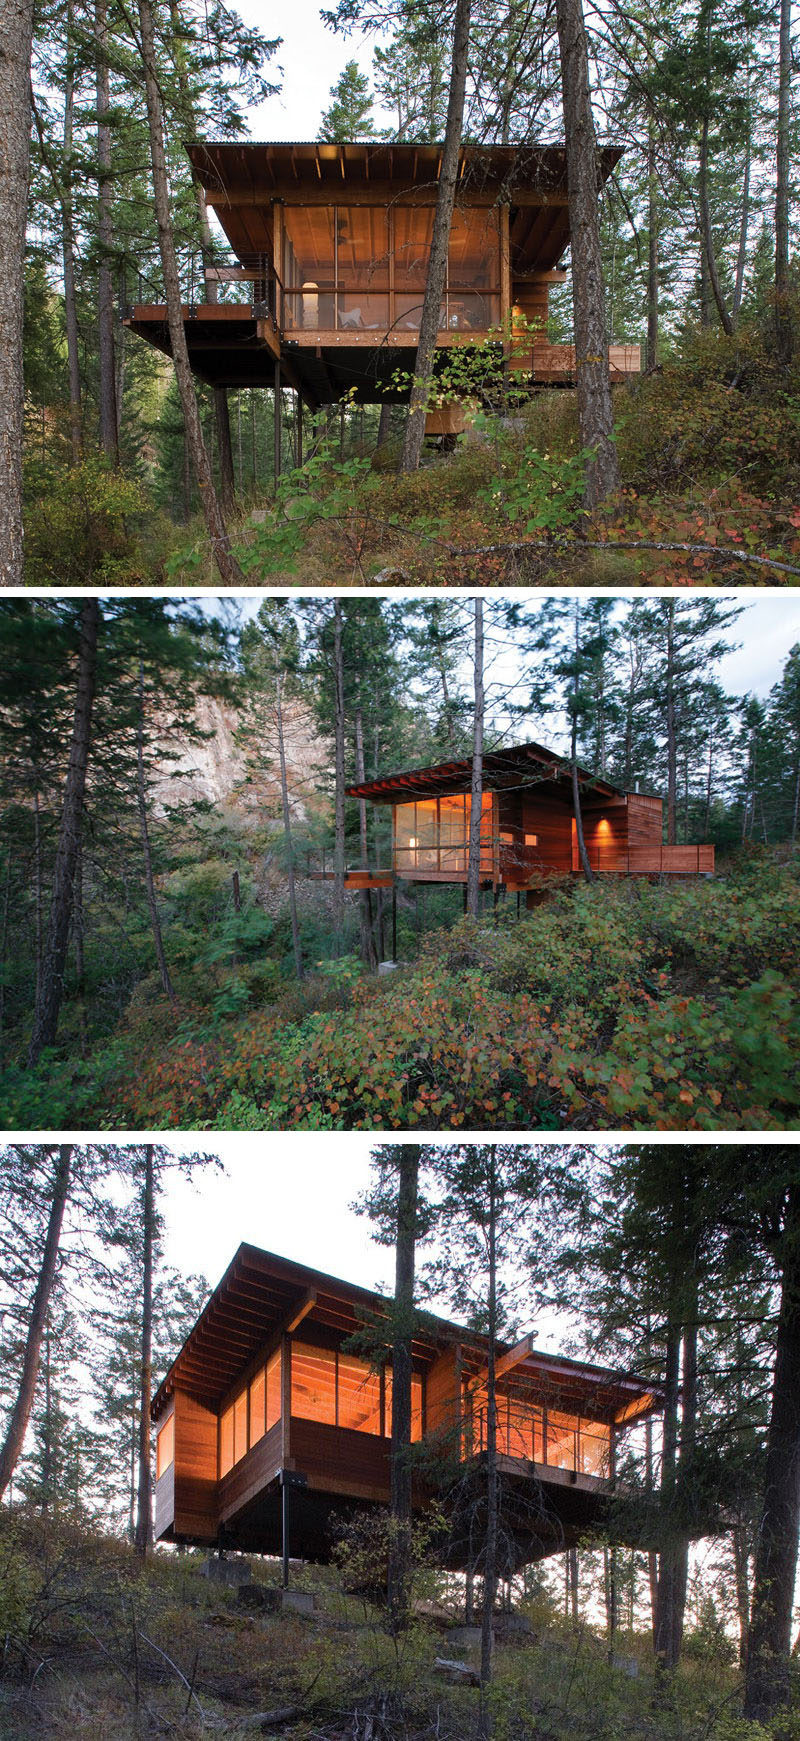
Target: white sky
(312, 58)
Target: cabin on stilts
(330, 248)
(528, 828)
(270, 1429)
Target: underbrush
(709, 449)
(99, 1647)
(622, 1006)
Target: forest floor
(709, 454)
(617, 1006)
(99, 1647)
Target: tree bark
(595, 414)
(440, 241)
(384, 424)
(652, 251)
(51, 982)
(476, 790)
(744, 224)
(144, 829)
(399, 1568)
(490, 1544)
(783, 321)
(573, 752)
(287, 827)
(228, 567)
(338, 732)
(672, 743)
(774, 1571)
(109, 418)
(15, 120)
(706, 234)
(368, 952)
(20, 1413)
(143, 1540)
(68, 252)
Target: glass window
(240, 1426)
(258, 1411)
(453, 832)
(165, 1446)
(359, 1396)
(362, 248)
(595, 1441)
(416, 1405)
(314, 1383)
(413, 233)
(226, 1441)
(274, 1389)
(473, 261)
(561, 1440)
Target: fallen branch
(619, 544)
(264, 1720)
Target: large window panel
(226, 1441)
(453, 832)
(473, 261)
(258, 1407)
(240, 1427)
(595, 1448)
(359, 1396)
(362, 247)
(413, 232)
(416, 1405)
(274, 1389)
(165, 1446)
(314, 1383)
(562, 1433)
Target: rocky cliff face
(244, 776)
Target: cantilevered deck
(330, 253)
(270, 1429)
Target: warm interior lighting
(531, 840)
(165, 1446)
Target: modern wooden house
(331, 244)
(528, 827)
(269, 1427)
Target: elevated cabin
(331, 246)
(528, 826)
(269, 1428)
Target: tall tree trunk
(109, 416)
(706, 233)
(51, 982)
(672, 741)
(573, 754)
(490, 1544)
(144, 830)
(143, 1540)
(744, 225)
(228, 567)
(476, 790)
(15, 122)
(338, 732)
(783, 320)
(774, 1571)
(368, 954)
(595, 414)
(652, 250)
(399, 1567)
(287, 827)
(440, 241)
(384, 424)
(68, 250)
(20, 1413)
(741, 1568)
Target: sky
(312, 58)
(292, 1194)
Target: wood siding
(645, 821)
(338, 1460)
(195, 1467)
(254, 1472)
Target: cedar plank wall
(443, 1392)
(339, 1460)
(252, 1473)
(164, 1488)
(196, 1502)
(607, 845)
(644, 820)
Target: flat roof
(522, 766)
(260, 1291)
